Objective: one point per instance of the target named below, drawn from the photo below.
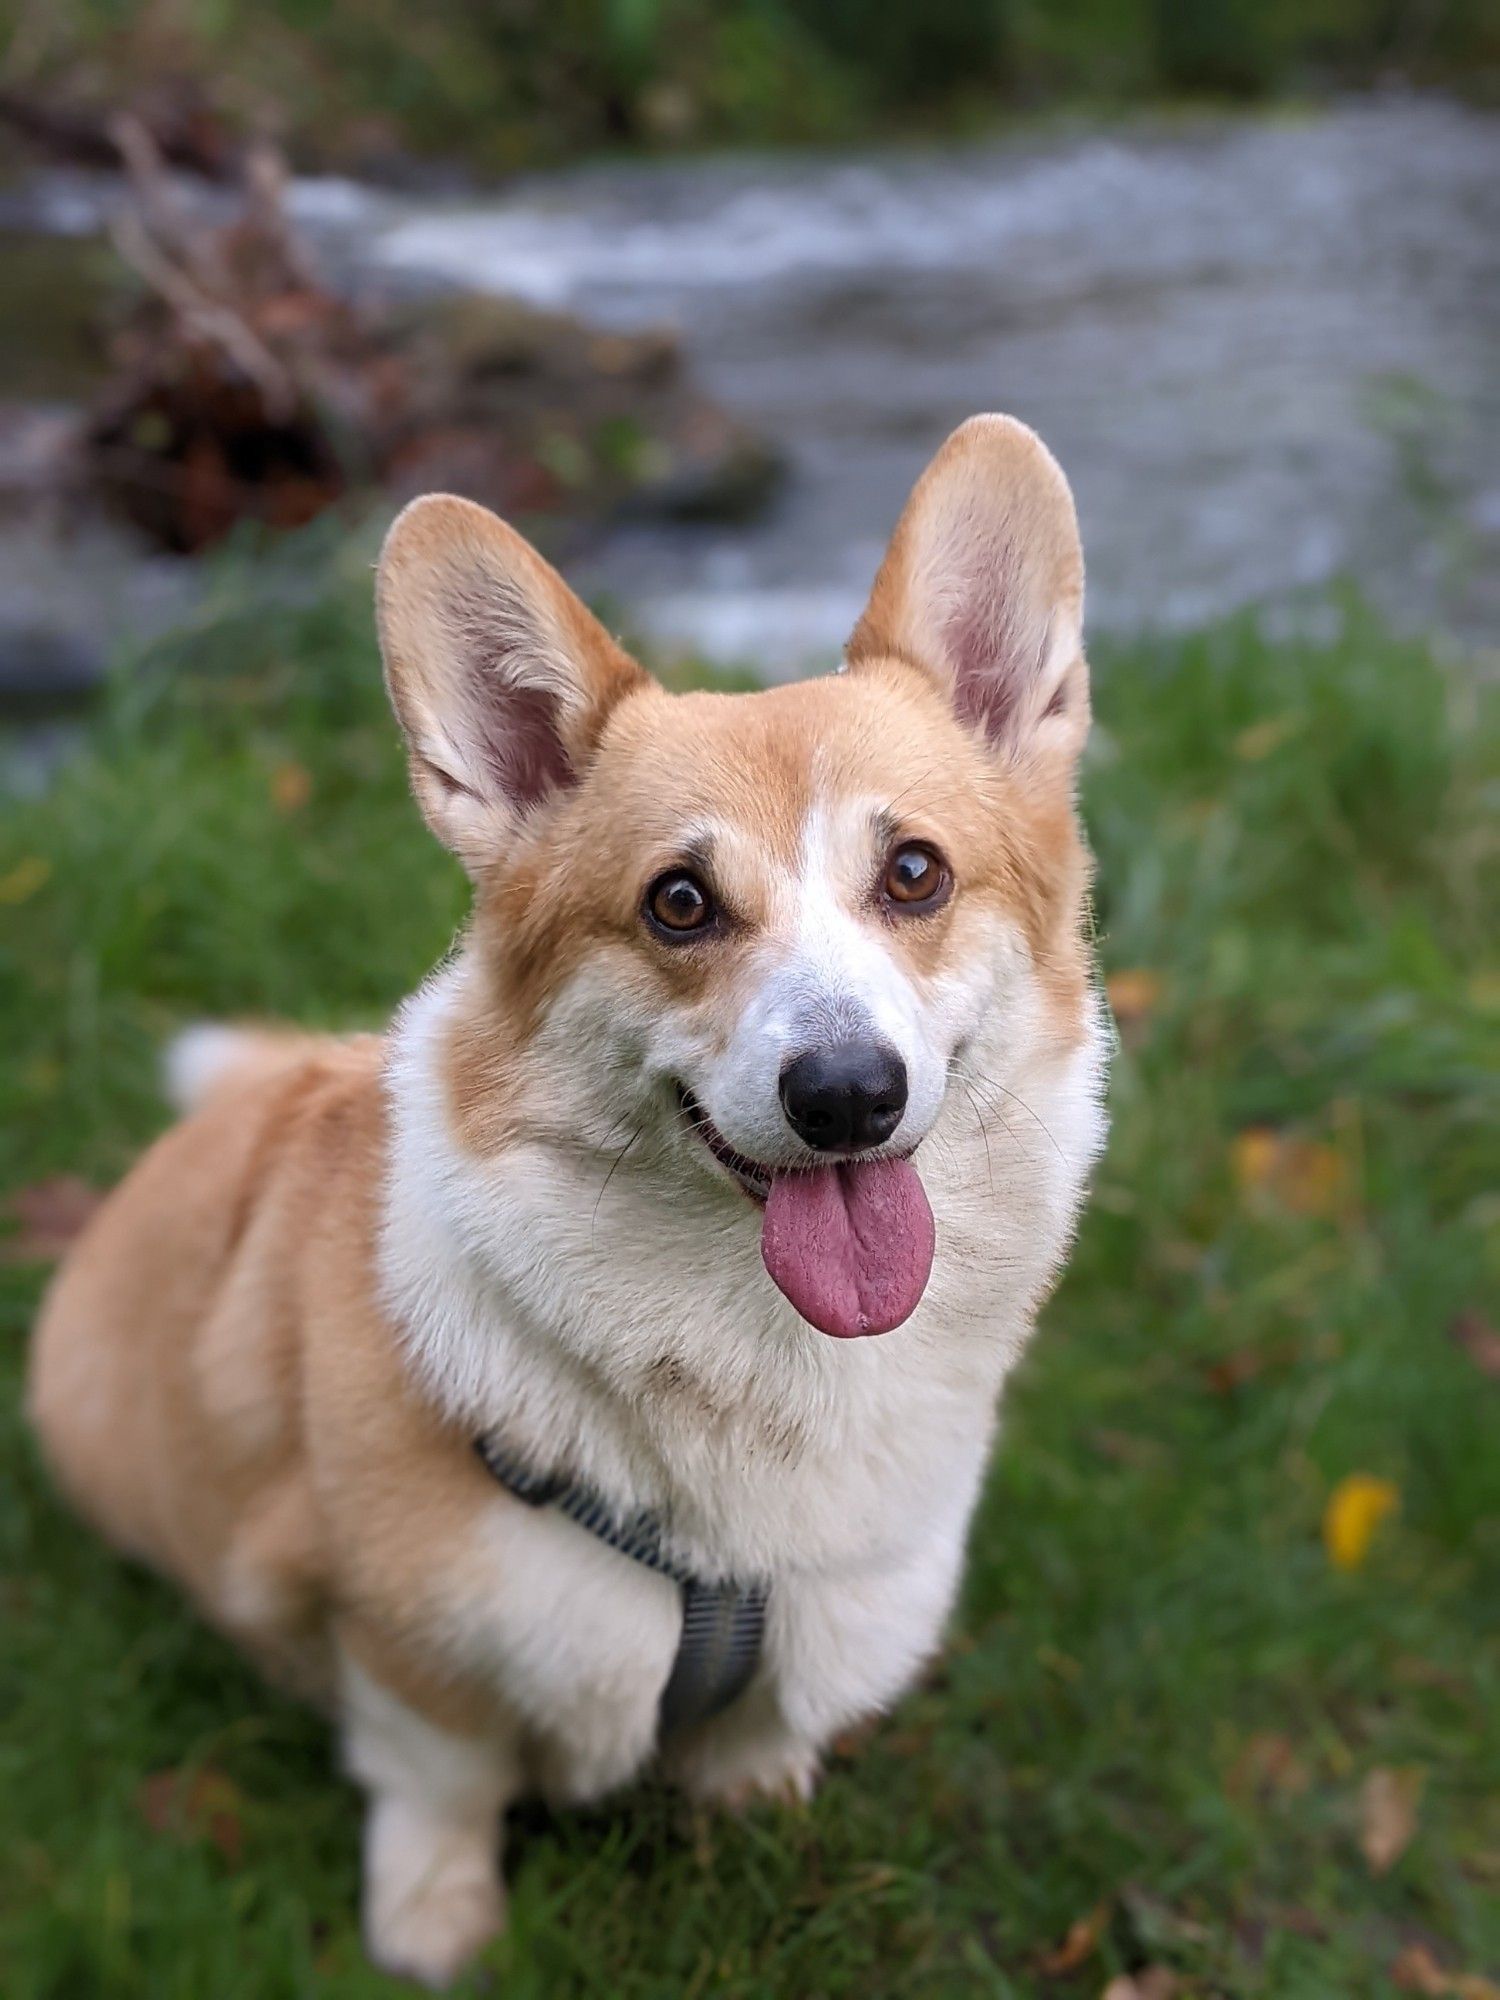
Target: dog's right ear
(501, 679)
(982, 588)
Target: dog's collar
(723, 1624)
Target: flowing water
(1267, 353)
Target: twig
(210, 318)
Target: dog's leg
(432, 1890)
(840, 1653)
(749, 1756)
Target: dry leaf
(1356, 1507)
(1388, 1803)
(856, 1739)
(1269, 1763)
(200, 1804)
(1080, 1944)
(1479, 1341)
(48, 1215)
(1413, 1672)
(1233, 1371)
(913, 1742)
(24, 879)
(1152, 1982)
(1299, 1922)
(1133, 994)
(1261, 738)
(1417, 1971)
(1303, 1175)
(291, 787)
(1125, 1448)
(1157, 1925)
(1244, 1364)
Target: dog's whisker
(989, 1164)
(615, 1165)
(967, 1080)
(990, 1083)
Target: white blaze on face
(826, 971)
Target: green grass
(1290, 840)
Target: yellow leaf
(1252, 1157)
(1303, 1175)
(291, 787)
(1314, 1178)
(1388, 1803)
(24, 879)
(1133, 994)
(1356, 1507)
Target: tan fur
(571, 883)
(220, 1394)
(215, 1378)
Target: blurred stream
(1267, 353)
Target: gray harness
(723, 1624)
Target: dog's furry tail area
(204, 1058)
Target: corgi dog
(664, 1262)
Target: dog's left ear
(982, 587)
(501, 679)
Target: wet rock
(534, 411)
(44, 671)
(38, 453)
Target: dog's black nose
(844, 1097)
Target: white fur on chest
(626, 1333)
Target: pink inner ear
(512, 720)
(986, 645)
(516, 735)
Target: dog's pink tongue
(851, 1245)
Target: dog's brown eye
(678, 903)
(916, 876)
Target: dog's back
(165, 1371)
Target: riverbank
(362, 88)
(1264, 349)
(1170, 1726)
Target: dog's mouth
(849, 1242)
(750, 1176)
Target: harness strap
(723, 1624)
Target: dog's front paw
(430, 1904)
(737, 1776)
(793, 1787)
(434, 1932)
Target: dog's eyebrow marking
(886, 826)
(697, 851)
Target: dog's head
(776, 930)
